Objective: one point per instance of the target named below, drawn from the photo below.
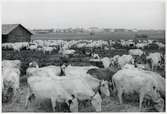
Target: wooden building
(15, 33)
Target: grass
(98, 36)
(109, 104)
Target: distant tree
(141, 36)
(92, 33)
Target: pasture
(109, 104)
(154, 35)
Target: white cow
(47, 70)
(141, 45)
(138, 66)
(61, 88)
(136, 52)
(114, 60)
(125, 59)
(47, 87)
(143, 66)
(66, 51)
(133, 80)
(96, 56)
(76, 70)
(106, 62)
(160, 80)
(128, 66)
(10, 77)
(161, 45)
(11, 64)
(33, 46)
(47, 49)
(155, 60)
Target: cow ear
(69, 102)
(30, 64)
(109, 83)
(73, 96)
(66, 64)
(100, 82)
(10, 90)
(153, 87)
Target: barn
(15, 33)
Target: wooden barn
(15, 33)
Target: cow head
(149, 62)
(159, 105)
(33, 64)
(156, 98)
(104, 89)
(73, 104)
(18, 63)
(63, 67)
(132, 61)
(158, 101)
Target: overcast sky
(38, 14)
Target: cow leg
(17, 94)
(53, 101)
(141, 101)
(96, 103)
(29, 97)
(152, 67)
(120, 95)
(28, 100)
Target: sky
(64, 14)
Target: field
(98, 36)
(109, 104)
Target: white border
(81, 1)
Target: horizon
(83, 28)
(114, 15)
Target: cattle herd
(136, 73)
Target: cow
(128, 81)
(50, 70)
(11, 64)
(155, 59)
(136, 52)
(102, 73)
(11, 79)
(106, 62)
(114, 60)
(125, 59)
(45, 87)
(160, 80)
(96, 56)
(61, 88)
(76, 70)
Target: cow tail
(30, 96)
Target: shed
(15, 33)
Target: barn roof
(7, 28)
